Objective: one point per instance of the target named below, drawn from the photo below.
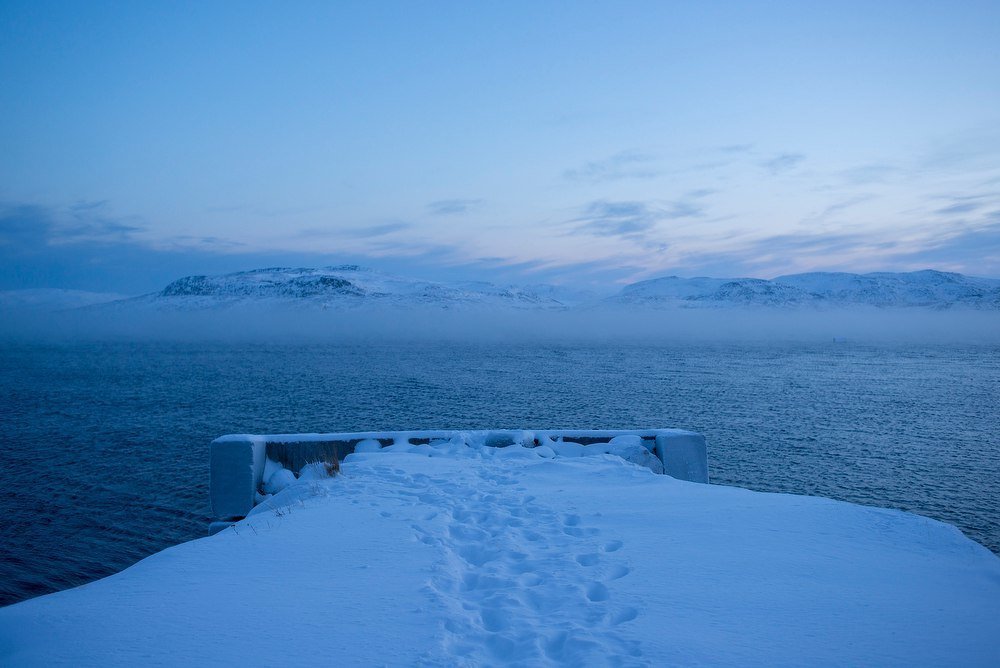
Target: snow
(928, 288)
(368, 445)
(338, 286)
(484, 556)
(236, 467)
(278, 480)
(350, 288)
(631, 449)
(241, 464)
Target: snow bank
(449, 554)
(242, 465)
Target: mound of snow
(631, 449)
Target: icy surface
(455, 555)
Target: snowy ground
(501, 556)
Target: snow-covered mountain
(332, 287)
(928, 289)
(350, 286)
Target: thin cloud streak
(783, 162)
(624, 165)
(451, 207)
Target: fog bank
(270, 323)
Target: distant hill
(351, 286)
(339, 286)
(927, 289)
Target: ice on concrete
(683, 454)
(236, 467)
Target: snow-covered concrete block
(684, 455)
(240, 469)
(236, 467)
(216, 527)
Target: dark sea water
(105, 446)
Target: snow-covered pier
(545, 552)
(246, 467)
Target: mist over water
(106, 452)
(290, 323)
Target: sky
(578, 143)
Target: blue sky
(579, 143)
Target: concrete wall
(237, 460)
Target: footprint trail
(521, 580)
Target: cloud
(368, 232)
(86, 248)
(624, 165)
(782, 162)
(875, 172)
(81, 207)
(259, 211)
(953, 249)
(842, 205)
(736, 148)
(779, 254)
(35, 252)
(24, 226)
(682, 209)
(184, 242)
(92, 221)
(631, 220)
(957, 208)
(620, 219)
(378, 230)
(450, 207)
(78, 223)
(938, 246)
(971, 149)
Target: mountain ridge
(927, 288)
(348, 286)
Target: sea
(105, 445)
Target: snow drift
(455, 555)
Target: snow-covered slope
(931, 289)
(918, 288)
(340, 286)
(452, 555)
(349, 286)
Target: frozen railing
(237, 460)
